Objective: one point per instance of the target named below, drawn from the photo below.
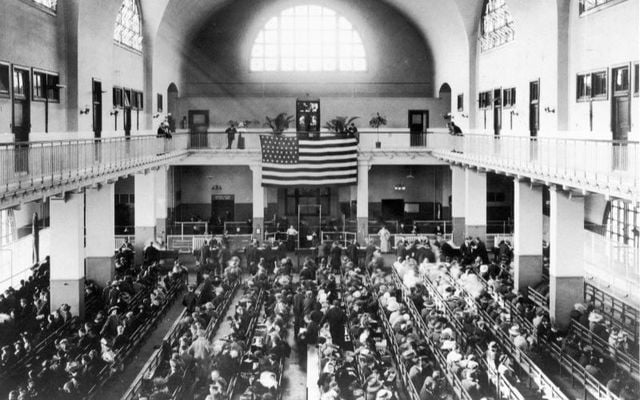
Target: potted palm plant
(340, 125)
(376, 122)
(279, 123)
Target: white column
(100, 233)
(458, 203)
(362, 201)
(258, 194)
(527, 235)
(145, 212)
(67, 252)
(475, 204)
(566, 255)
(162, 202)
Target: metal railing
(33, 164)
(595, 164)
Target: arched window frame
(308, 38)
(497, 27)
(128, 28)
(50, 4)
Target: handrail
(503, 386)
(530, 367)
(621, 358)
(595, 295)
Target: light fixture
(400, 187)
(410, 174)
(156, 115)
(84, 110)
(114, 112)
(550, 110)
(464, 115)
(514, 113)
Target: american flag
(288, 161)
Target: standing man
(336, 319)
(385, 235)
(231, 133)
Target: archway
(444, 94)
(172, 106)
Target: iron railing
(33, 164)
(593, 164)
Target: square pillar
(162, 201)
(475, 205)
(362, 202)
(145, 212)
(566, 255)
(258, 194)
(68, 252)
(527, 235)
(458, 203)
(100, 230)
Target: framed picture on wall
(308, 117)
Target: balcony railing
(34, 164)
(613, 166)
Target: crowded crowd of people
(91, 349)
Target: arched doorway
(172, 106)
(444, 94)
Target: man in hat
(336, 319)
(231, 133)
(109, 329)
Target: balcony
(36, 169)
(608, 167)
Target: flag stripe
(287, 161)
(266, 170)
(305, 182)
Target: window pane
(307, 38)
(4, 79)
(128, 30)
(496, 25)
(621, 79)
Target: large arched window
(50, 4)
(128, 31)
(497, 27)
(308, 38)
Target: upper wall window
(497, 27)
(308, 38)
(50, 4)
(636, 79)
(128, 31)
(588, 5)
(591, 86)
(4, 80)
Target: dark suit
(336, 319)
(298, 311)
(401, 251)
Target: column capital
(255, 168)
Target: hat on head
(595, 317)
(514, 330)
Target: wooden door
(96, 109)
(418, 125)
(534, 108)
(21, 125)
(620, 115)
(126, 115)
(222, 210)
(198, 126)
(21, 122)
(497, 111)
